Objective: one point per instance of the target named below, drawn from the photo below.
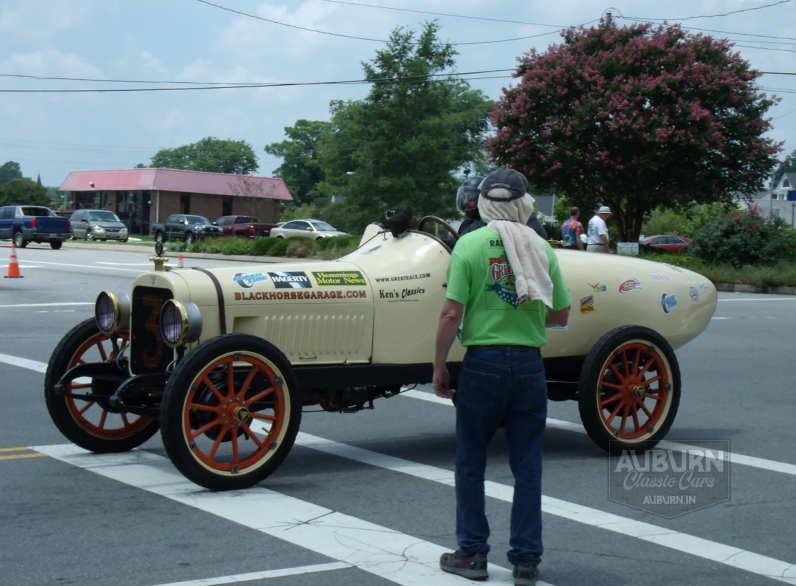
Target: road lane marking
(384, 552)
(23, 363)
(712, 318)
(763, 299)
(22, 449)
(751, 461)
(683, 542)
(22, 456)
(51, 304)
(267, 575)
(126, 264)
(62, 264)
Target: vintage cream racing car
(222, 361)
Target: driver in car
(506, 283)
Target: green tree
(301, 167)
(23, 192)
(8, 171)
(786, 166)
(636, 118)
(209, 154)
(402, 145)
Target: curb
(743, 288)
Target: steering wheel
(439, 221)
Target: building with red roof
(142, 197)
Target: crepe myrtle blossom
(636, 118)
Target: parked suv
(98, 225)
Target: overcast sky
(145, 41)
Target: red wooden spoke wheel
(230, 412)
(91, 424)
(629, 389)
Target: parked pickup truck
(23, 224)
(244, 226)
(185, 227)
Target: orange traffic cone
(13, 265)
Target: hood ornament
(159, 260)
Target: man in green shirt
(504, 280)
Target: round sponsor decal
(629, 285)
(693, 292)
(247, 280)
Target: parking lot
(368, 498)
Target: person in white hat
(598, 231)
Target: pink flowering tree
(636, 118)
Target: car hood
(107, 224)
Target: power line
(446, 14)
(260, 85)
(367, 38)
(711, 15)
(767, 48)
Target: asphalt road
(368, 495)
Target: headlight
(112, 312)
(123, 230)
(198, 228)
(180, 323)
(98, 229)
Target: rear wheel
(55, 244)
(629, 389)
(230, 412)
(19, 240)
(92, 425)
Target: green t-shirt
(480, 278)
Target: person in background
(506, 282)
(598, 231)
(571, 230)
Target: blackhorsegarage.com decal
(299, 295)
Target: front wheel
(230, 412)
(56, 244)
(629, 389)
(89, 236)
(19, 240)
(189, 238)
(159, 237)
(92, 425)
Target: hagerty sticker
(294, 280)
(336, 278)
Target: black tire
(280, 237)
(56, 244)
(19, 239)
(91, 429)
(630, 376)
(189, 238)
(207, 444)
(159, 237)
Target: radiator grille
(148, 353)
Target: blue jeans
(497, 384)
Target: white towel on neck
(525, 250)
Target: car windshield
(36, 212)
(197, 220)
(323, 227)
(103, 217)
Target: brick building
(142, 197)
